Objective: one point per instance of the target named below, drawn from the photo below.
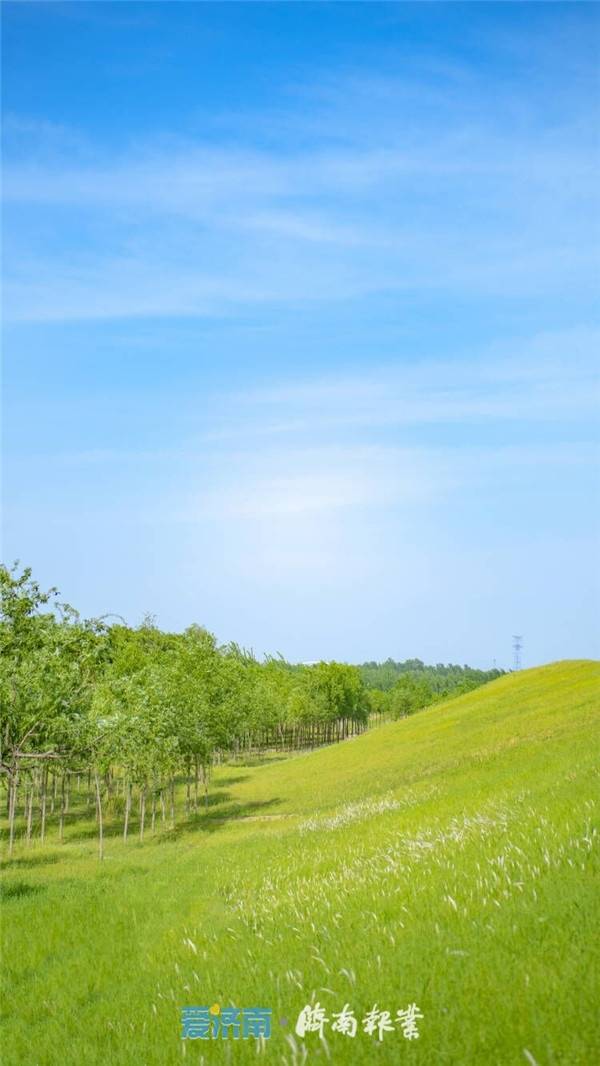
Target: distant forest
(400, 688)
(443, 677)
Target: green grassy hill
(445, 860)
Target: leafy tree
(48, 666)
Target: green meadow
(446, 860)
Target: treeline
(130, 711)
(441, 680)
(122, 714)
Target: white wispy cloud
(549, 377)
(405, 201)
(328, 450)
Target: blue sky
(300, 321)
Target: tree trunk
(61, 821)
(44, 787)
(30, 808)
(14, 782)
(127, 810)
(142, 812)
(99, 816)
(188, 787)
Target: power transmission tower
(517, 646)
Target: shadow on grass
(211, 822)
(222, 782)
(219, 809)
(262, 760)
(28, 862)
(18, 890)
(214, 810)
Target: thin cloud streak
(430, 203)
(552, 376)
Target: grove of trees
(125, 711)
(124, 714)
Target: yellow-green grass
(447, 860)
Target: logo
(225, 1023)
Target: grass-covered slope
(445, 860)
